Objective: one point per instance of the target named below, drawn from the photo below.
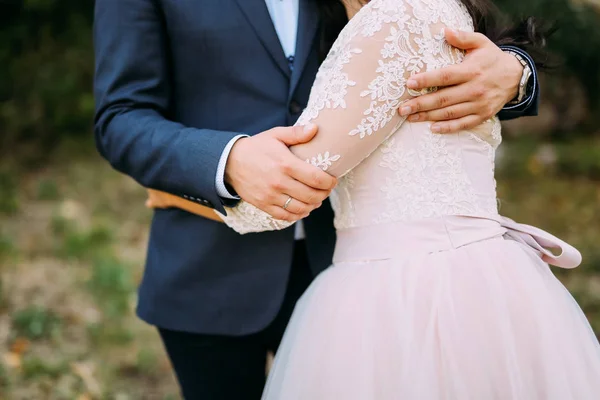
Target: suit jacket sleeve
(530, 104)
(133, 93)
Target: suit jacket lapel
(258, 16)
(308, 22)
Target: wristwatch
(524, 78)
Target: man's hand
(469, 93)
(265, 173)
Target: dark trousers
(213, 367)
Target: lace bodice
(389, 169)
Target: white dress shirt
(284, 14)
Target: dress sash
(445, 233)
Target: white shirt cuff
(220, 178)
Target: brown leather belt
(158, 199)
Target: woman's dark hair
(529, 34)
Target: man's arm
(474, 91)
(132, 126)
(529, 105)
(133, 95)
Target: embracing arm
(529, 104)
(133, 99)
(476, 90)
(358, 91)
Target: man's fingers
(465, 40)
(279, 213)
(446, 114)
(294, 135)
(447, 76)
(295, 206)
(443, 98)
(453, 74)
(304, 193)
(310, 175)
(457, 125)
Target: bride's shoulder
(452, 13)
(372, 25)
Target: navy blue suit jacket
(175, 81)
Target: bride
(432, 295)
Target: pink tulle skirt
(420, 313)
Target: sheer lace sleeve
(361, 85)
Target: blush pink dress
(432, 294)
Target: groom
(179, 84)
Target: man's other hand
(264, 172)
(468, 93)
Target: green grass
(9, 203)
(36, 367)
(526, 158)
(7, 247)
(109, 333)
(5, 380)
(112, 286)
(78, 254)
(146, 361)
(78, 244)
(36, 323)
(74, 243)
(47, 190)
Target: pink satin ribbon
(445, 233)
(542, 241)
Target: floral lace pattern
(330, 87)
(245, 218)
(427, 181)
(389, 169)
(323, 160)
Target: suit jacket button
(295, 107)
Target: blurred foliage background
(73, 232)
